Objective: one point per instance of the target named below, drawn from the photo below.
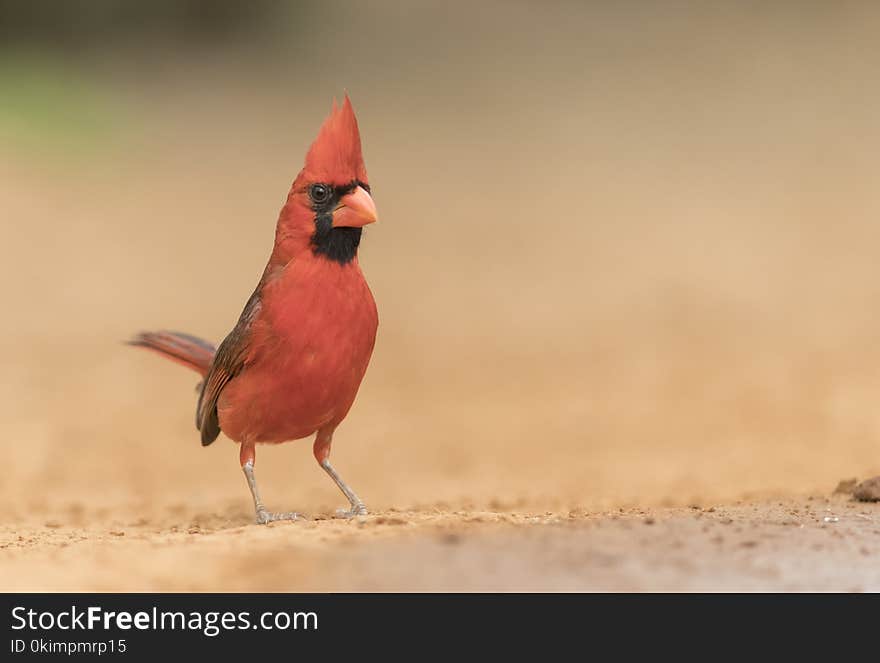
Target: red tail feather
(186, 350)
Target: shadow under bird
(292, 365)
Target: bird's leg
(357, 506)
(247, 458)
(322, 455)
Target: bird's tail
(187, 350)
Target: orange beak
(355, 210)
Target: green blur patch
(49, 106)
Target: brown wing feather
(228, 362)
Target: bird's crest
(335, 156)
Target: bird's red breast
(310, 346)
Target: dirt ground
(812, 544)
(626, 263)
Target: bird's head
(330, 202)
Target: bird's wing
(228, 362)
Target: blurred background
(627, 251)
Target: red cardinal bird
(293, 363)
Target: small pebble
(868, 490)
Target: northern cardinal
(292, 365)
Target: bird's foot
(356, 510)
(264, 517)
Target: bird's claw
(356, 510)
(265, 517)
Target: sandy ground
(812, 544)
(626, 272)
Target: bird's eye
(319, 193)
